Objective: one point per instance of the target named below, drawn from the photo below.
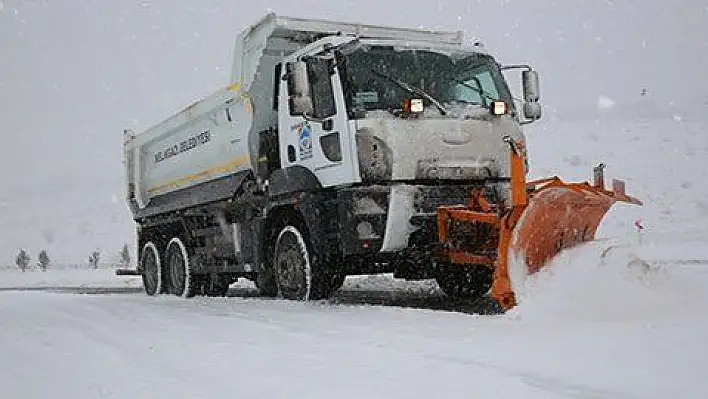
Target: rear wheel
(182, 282)
(464, 282)
(152, 269)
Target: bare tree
(125, 256)
(23, 260)
(43, 260)
(94, 258)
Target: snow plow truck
(343, 149)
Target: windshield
(371, 74)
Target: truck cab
(393, 128)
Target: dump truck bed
(205, 142)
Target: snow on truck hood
(444, 141)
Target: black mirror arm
(521, 66)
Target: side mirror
(530, 82)
(532, 109)
(299, 88)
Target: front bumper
(396, 218)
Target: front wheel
(464, 282)
(300, 273)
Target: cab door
(313, 121)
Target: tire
(181, 281)
(464, 282)
(299, 271)
(151, 269)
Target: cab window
(321, 87)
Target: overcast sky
(75, 73)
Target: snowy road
(637, 338)
(372, 290)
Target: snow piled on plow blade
(610, 281)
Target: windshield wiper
(479, 90)
(412, 89)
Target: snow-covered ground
(627, 322)
(589, 331)
(52, 278)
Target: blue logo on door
(305, 141)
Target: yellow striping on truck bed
(183, 181)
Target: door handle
(327, 125)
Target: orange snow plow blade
(545, 217)
(560, 215)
